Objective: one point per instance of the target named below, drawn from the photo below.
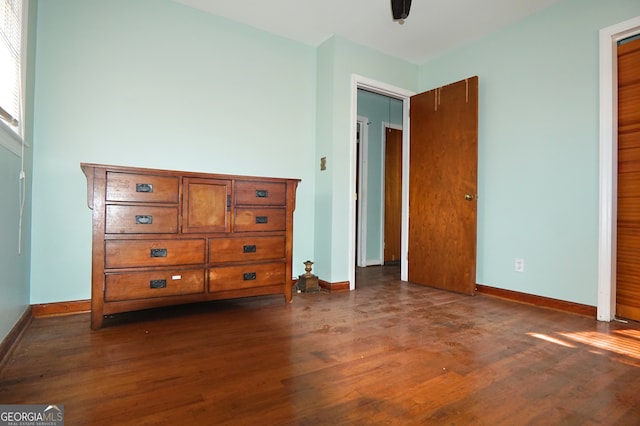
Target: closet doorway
(628, 215)
(608, 182)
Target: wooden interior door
(358, 238)
(392, 194)
(628, 240)
(443, 187)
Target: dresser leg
(288, 298)
(96, 320)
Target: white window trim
(9, 139)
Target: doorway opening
(402, 96)
(378, 179)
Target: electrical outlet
(519, 265)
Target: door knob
(468, 197)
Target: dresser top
(125, 169)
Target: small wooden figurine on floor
(307, 282)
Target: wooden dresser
(163, 237)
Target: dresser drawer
(142, 188)
(140, 253)
(256, 193)
(245, 249)
(143, 285)
(245, 276)
(141, 220)
(259, 219)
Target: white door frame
(609, 38)
(360, 82)
(361, 255)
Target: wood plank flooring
(388, 353)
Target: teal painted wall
(538, 146)
(339, 60)
(378, 109)
(152, 83)
(14, 263)
(14, 280)
(324, 140)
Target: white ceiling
(432, 27)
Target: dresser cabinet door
(206, 205)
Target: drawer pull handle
(144, 219)
(262, 219)
(249, 276)
(262, 193)
(159, 252)
(144, 187)
(158, 284)
(249, 249)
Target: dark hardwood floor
(388, 353)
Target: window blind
(10, 51)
